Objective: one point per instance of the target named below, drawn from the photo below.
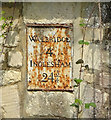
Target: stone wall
(16, 101)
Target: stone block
(61, 13)
(90, 94)
(105, 80)
(50, 104)
(1, 77)
(12, 39)
(89, 77)
(11, 76)
(15, 59)
(10, 102)
(2, 57)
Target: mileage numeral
(44, 77)
(49, 51)
(50, 77)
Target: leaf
(93, 104)
(3, 12)
(2, 35)
(87, 105)
(87, 67)
(81, 42)
(78, 81)
(86, 43)
(10, 17)
(75, 85)
(78, 101)
(80, 61)
(74, 105)
(3, 18)
(4, 25)
(82, 24)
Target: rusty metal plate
(49, 57)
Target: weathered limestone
(2, 58)
(90, 94)
(0, 103)
(14, 59)
(50, 104)
(1, 40)
(1, 77)
(11, 76)
(104, 80)
(12, 39)
(61, 13)
(10, 102)
(53, 104)
(89, 77)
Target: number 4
(49, 51)
(51, 77)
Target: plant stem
(101, 55)
(82, 54)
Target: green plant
(7, 23)
(6, 26)
(88, 105)
(78, 102)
